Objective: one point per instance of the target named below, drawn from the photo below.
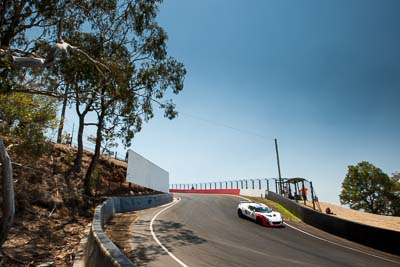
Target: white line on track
(331, 242)
(158, 241)
(337, 244)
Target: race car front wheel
(240, 214)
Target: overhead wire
(243, 131)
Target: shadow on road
(170, 234)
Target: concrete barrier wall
(253, 192)
(101, 251)
(243, 192)
(207, 191)
(378, 238)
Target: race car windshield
(263, 210)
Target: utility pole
(279, 167)
(61, 124)
(72, 134)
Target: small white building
(142, 171)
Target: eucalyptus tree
(82, 79)
(24, 120)
(17, 51)
(394, 195)
(368, 188)
(33, 36)
(139, 72)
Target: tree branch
(35, 92)
(91, 124)
(50, 59)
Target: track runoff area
(204, 230)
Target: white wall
(143, 172)
(253, 192)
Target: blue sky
(321, 76)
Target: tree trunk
(79, 154)
(96, 155)
(8, 206)
(61, 125)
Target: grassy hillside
(287, 215)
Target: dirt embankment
(51, 210)
(382, 221)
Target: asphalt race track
(204, 230)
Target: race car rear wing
(246, 201)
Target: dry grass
(382, 221)
(386, 222)
(117, 229)
(51, 210)
(287, 215)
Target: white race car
(260, 213)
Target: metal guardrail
(298, 189)
(252, 183)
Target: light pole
(279, 167)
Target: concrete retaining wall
(253, 192)
(378, 238)
(100, 251)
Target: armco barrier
(100, 251)
(379, 238)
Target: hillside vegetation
(107, 61)
(52, 211)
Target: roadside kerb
(100, 251)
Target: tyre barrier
(100, 251)
(374, 237)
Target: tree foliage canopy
(105, 56)
(25, 119)
(368, 188)
(113, 56)
(104, 43)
